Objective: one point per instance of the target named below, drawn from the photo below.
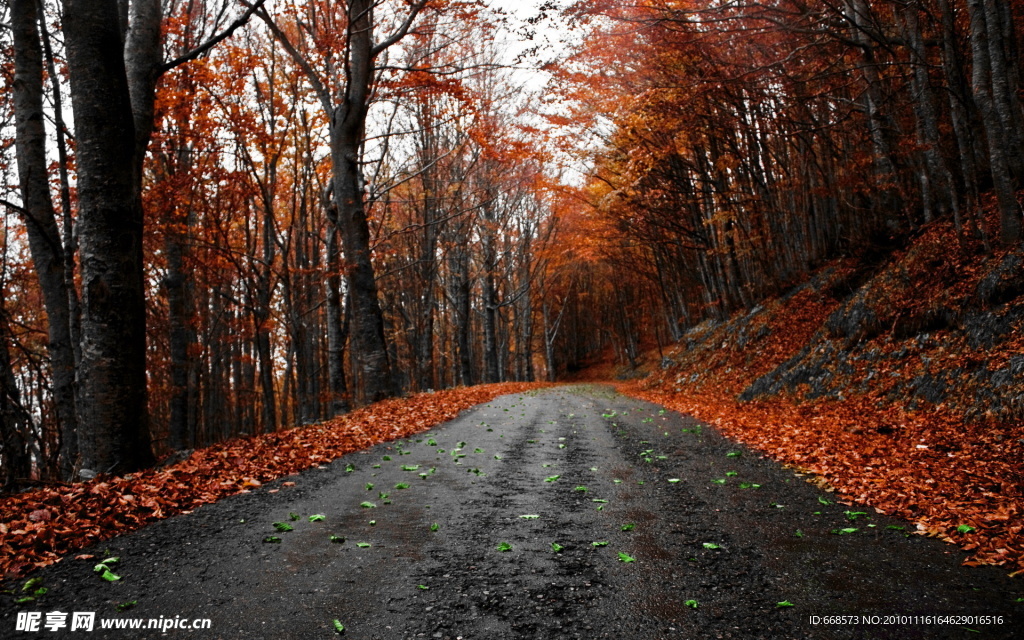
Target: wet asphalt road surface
(572, 512)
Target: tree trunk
(41, 225)
(337, 332)
(115, 433)
(348, 123)
(1009, 210)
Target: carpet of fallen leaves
(958, 476)
(38, 527)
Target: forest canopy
(227, 219)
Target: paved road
(666, 529)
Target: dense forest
(226, 219)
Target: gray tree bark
(45, 244)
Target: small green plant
(529, 517)
(600, 543)
(711, 545)
(432, 442)
(896, 527)
(556, 547)
(749, 485)
(422, 586)
(349, 468)
(386, 458)
(551, 478)
(784, 603)
(338, 627)
(319, 517)
(410, 467)
(272, 539)
(625, 557)
(367, 505)
(734, 454)
(478, 450)
(369, 486)
(32, 589)
(853, 515)
(731, 473)
(581, 488)
(629, 526)
(617, 481)
(719, 481)
(435, 527)
(294, 517)
(363, 545)
(691, 603)
(373, 523)
(823, 500)
(844, 532)
(402, 485)
(799, 533)
(965, 528)
(283, 527)
(124, 606)
(337, 539)
(504, 546)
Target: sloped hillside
(898, 381)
